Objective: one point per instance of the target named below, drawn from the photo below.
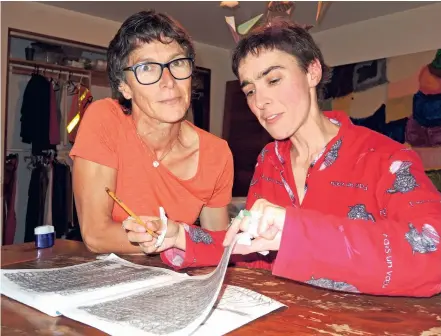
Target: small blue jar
(44, 236)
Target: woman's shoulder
(107, 109)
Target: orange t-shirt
(108, 137)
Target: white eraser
(164, 220)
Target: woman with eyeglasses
(141, 147)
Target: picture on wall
(199, 112)
(399, 97)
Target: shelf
(16, 61)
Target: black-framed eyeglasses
(147, 73)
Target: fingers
(236, 226)
(148, 247)
(257, 245)
(232, 231)
(139, 237)
(131, 225)
(152, 223)
(136, 233)
(269, 233)
(145, 241)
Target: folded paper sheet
(122, 298)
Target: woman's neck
(312, 137)
(159, 136)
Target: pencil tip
(107, 189)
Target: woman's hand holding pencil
(145, 230)
(138, 234)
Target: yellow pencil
(130, 212)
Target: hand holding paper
(264, 222)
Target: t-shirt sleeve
(96, 137)
(224, 185)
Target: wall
(397, 34)
(398, 96)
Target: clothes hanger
(71, 87)
(56, 83)
(31, 161)
(11, 156)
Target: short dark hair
(284, 36)
(142, 27)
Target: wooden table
(311, 311)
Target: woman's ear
(314, 73)
(125, 90)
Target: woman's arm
(94, 207)
(214, 219)
(397, 255)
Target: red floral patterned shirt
(369, 221)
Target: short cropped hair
(284, 36)
(140, 28)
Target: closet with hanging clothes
(48, 92)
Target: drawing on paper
(54, 262)
(82, 278)
(241, 298)
(236, 299)
(150, 310)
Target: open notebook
(122, 298)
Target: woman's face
(168, 99)
(278, 91)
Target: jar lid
(44, 229)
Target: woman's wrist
(180, 241)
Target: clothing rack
(22, 150)
(18, 150)
(21, 67)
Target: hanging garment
(80, 101)
(59, 199)
(420, 136)
(69, 197)
(396, 130)
(36, 200)
(54, 122)
(427, 109)
(48, 201)
(35, 114)
(374, 122)
(369, 74)
(74, 231)
(9, 191)
(342, 81)
(435, 66)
